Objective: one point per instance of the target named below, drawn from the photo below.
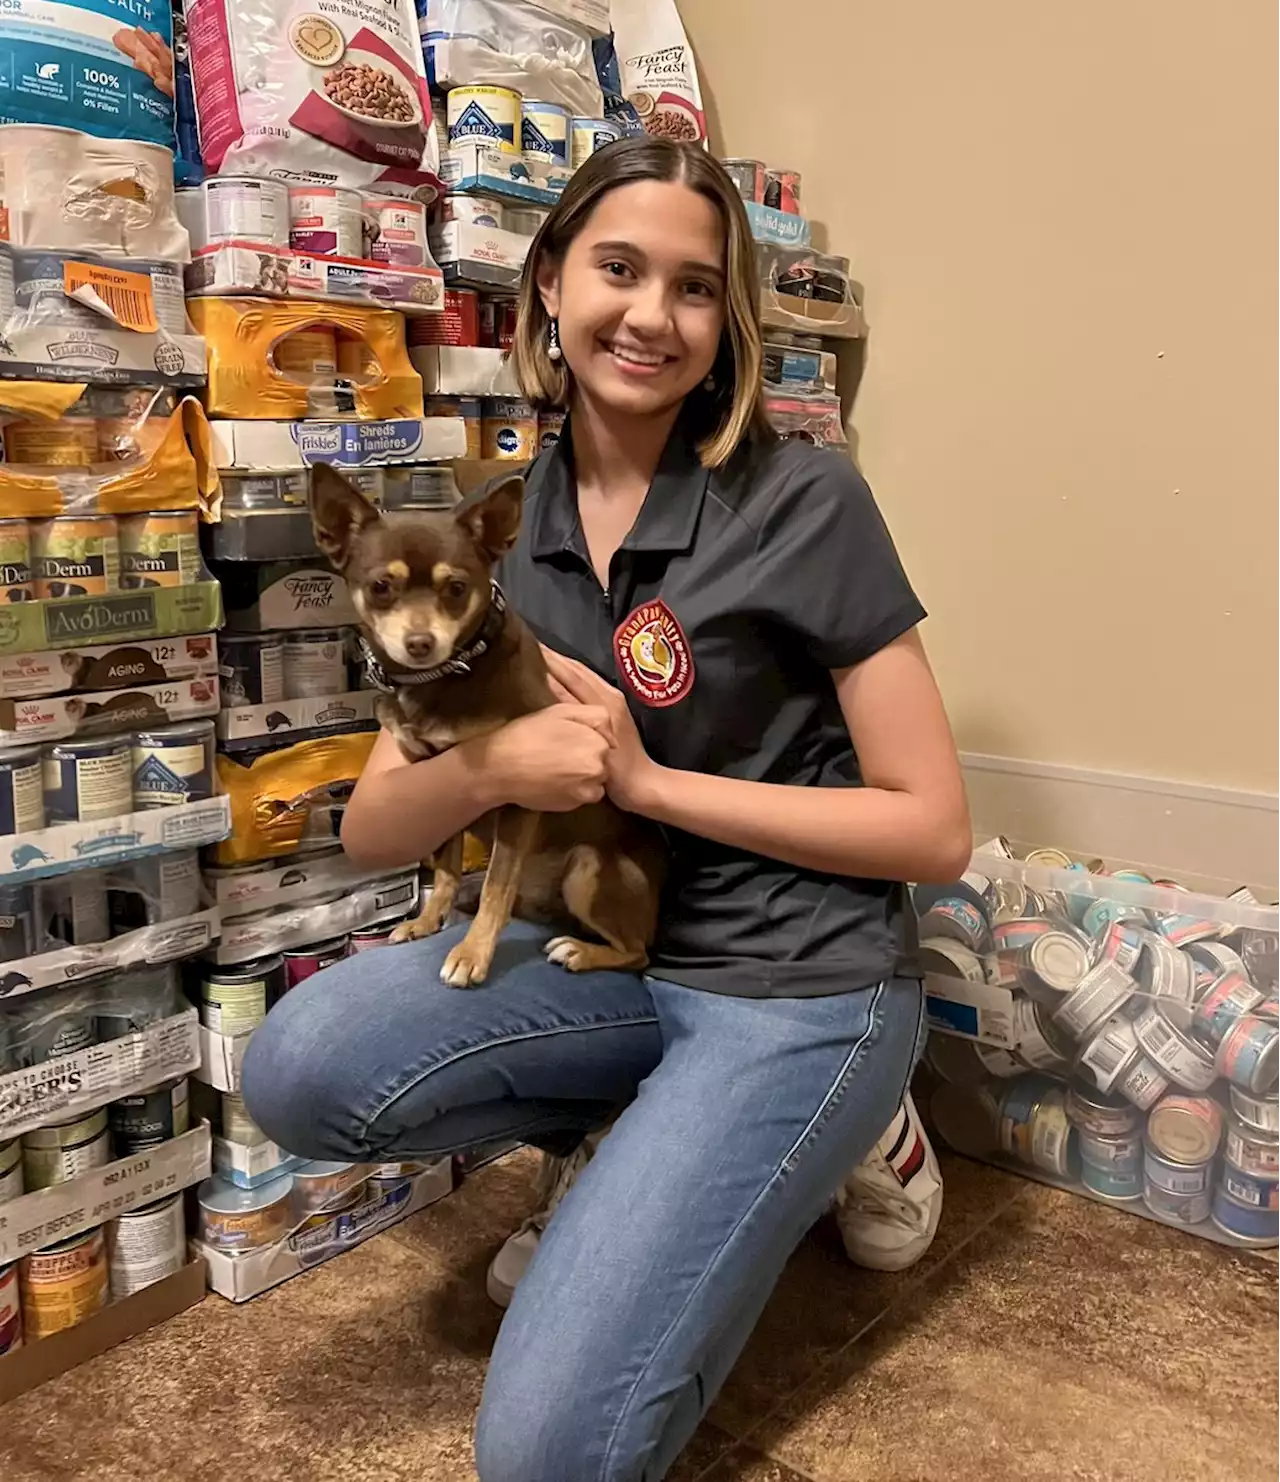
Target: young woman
(737, 660)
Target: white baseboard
(1208, 838)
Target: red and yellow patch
(653, 656)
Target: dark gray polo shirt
(733, 596)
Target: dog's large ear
(338, 513)
(492, 518)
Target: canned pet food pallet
(44, 1216)
(81, 622)
(247, 938)
(477, 169)
(277, 446)
(1111, 1035)
(59, 1089)
(244, 1273)
(286, 882)
(777, 228)
(464, 370)
(252, 268)
(75, 846)
(261, 596)
(479, 256)
(56, 717)
(108, 667)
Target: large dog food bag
(318, 95)
(101, 66)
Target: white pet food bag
(659, 75)
(331, 92)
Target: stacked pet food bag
(1110, 1033)
(108, 689)
(309, 263)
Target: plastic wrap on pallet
(512, 44)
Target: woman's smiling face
(640, 297)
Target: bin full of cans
(1127, 1036)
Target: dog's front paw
(464, 967)
(568, 952)
(425, 925)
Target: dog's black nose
(418, 646)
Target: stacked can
(1152, 1013)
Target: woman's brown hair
(733, 408)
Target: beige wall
(1064, 220)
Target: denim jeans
(743, 1116)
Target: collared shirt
(732, 598)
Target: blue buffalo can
(87, 780)
(21, 790)
(173, 765)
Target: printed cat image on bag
(333, 98)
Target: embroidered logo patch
(653, 655)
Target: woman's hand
(551, 761)
(631, 773)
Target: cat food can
(1122, 1152)
(1164, 971)
(589, 135)
(236, 208)
(1110, 1051)
(1175, 1177)
(544, 131)
(1142, 1082)
(133, 1001)
(457, 324)
(234, 1000)
(21, 790)
(146, 1245)
(87, 780)
(10, 1310)
(370, 937)
(1098, 1114)
(63, 1284)
(1120, 943)
(1186, 1129)
(1052, 966)
(232, 1218)
(431, 486)
(133, 423)
(1038, 1042)
(1175, 1208)
(51, 1028)
(1261, 1113)
(395, 231)
(1262, 1191)
(1249, 1053)
(508, 429)
(525, 221)
(1034, 1126)
(160, 549)
(348, 1199)
(1109, 1181)
(302, 963)
(469, 409)
(1180, 1057)
(17, 581)
(1227, 999)
(749, 177)
(18, 934)
(315, 663)
(782, 191)
(273, 491)
(550, 426)
(485, 115)
(308, 356)
(237, 1125)
(954, 911)
(75, 556)
(1015, 936)
(251, 668)
(73, 908)
(149, 1118)
(11, 1182)
(318, 1185)
(53, 1155)
(1249, 1224)
(326, 221)
(1250, 1152)
(1097, 995)
(173, 765)
(498, 318)
(169, 887)
(474, 210)
(70, 442)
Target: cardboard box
(151, 612)
(288, 882)
(270, 446)
(251, 1272)
(32, 1221)
(464, 370)
(108, 841)
(31, 1365)
(221, 1056)
(142, 707)
(780, 228)
(481, 256)
(249, 1164)
(274, 272)
(284, 594)
(475, 169)
(166, 941)
(811, 316)
(58, 1090)
(108, 666)
(243, 726)
(72, 846)
(981, 1011)
(261, 934)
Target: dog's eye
(380, 588)
(455, 589)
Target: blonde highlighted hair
(733, 408)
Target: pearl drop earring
(553, 341)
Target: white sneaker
(555, 1178)
(889, 1206)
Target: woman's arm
(909, 821)
(401, 812)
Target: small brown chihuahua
(454, 661)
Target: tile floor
(1043, 1338)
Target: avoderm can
(76, 556)
(159, 549)
(16, 581)
(64, 1283)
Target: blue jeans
(744, 1116)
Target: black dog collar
(389, 681)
